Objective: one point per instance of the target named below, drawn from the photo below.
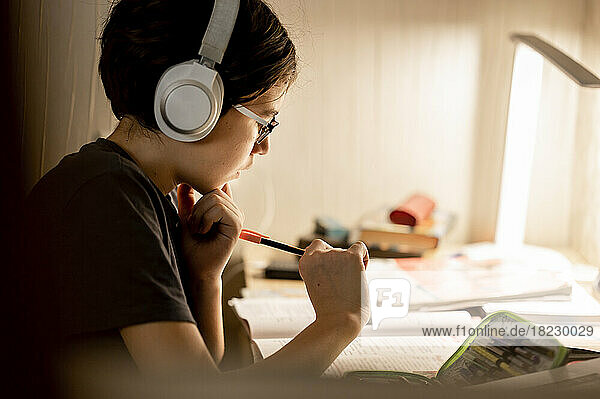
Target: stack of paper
(455, 283)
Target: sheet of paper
(274, 317)
(269, 307)
(414, 323)
(421, 355)
(286, 317)
(581, 305)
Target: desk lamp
(521, 130)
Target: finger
(199, 222)
(359, 248)
(222, 194)
(222, 197)
(317, 245)
(228, 222)
(205, 203)
(227, 190)
(185, 201)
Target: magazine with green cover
(503, 345)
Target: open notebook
(419, 355)
(396, 345)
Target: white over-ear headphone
(189, 95)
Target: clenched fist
(335, 280)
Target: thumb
(185, 201)
(360, 249)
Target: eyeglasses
(267, 126)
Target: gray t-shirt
(103, 244)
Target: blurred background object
(413, 211)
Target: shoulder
(94, 174)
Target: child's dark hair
(142, 38)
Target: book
(451, 360)
(382, 234)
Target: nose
(262, 148)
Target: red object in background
(413, 211)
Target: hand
(336, 282)
(210, 230)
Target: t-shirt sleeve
(119, 269)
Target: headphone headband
(220, 26)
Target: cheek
(236, 140)
(247, 139)
(243, 149)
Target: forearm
(207, 311)
(311, 351)
(167, 349)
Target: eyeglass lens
(266, 130)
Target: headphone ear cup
(188, 101)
